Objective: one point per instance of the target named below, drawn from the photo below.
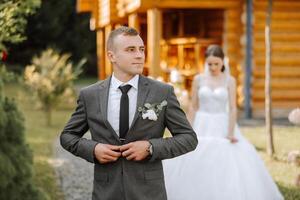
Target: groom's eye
(130, 49)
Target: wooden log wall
(285, 31)
(232, 36)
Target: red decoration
(4, 56)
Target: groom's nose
(139, 54)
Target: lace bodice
(213, 100)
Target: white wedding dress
(218, 169)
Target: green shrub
(50, 77)
(15, 156)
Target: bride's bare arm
(232, 106)
(193, 107)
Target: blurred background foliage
(56, 25)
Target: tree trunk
(268, 89)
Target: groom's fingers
(125, 147)
(110, 158)
(131, 157)
(113, 153)
(105, 154)
(107, 159)
(113, 147)
(103, 161)
(127, 153)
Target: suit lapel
(143, 90)
(103, 94)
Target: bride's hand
(232, 139)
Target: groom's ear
(111, 56)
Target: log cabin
(177, 33)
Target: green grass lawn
(286, 139)
(41, 138)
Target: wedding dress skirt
(218, 169)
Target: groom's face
(128, 54)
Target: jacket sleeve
(71, 136)
(184, 138)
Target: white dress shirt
(113, 110)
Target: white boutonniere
(151, 111)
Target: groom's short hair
(123, 30)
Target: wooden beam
(101, 54)
(278, 37)
(133, 21)
(278, 94)
(288, 83)
(84, 6)
(278, 72)
(108, 67)
(277, 104)
(280, 62)
(133, 6)
(154, 32)
(198, 61)
(278, 5)
(104, 11)
(282, 15)
(180, 51)
(196, 4)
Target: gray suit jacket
(123, 179)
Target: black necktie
(124, 112)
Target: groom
(127, 115)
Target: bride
(224, 166)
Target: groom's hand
(106, 153)
(136, 151)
